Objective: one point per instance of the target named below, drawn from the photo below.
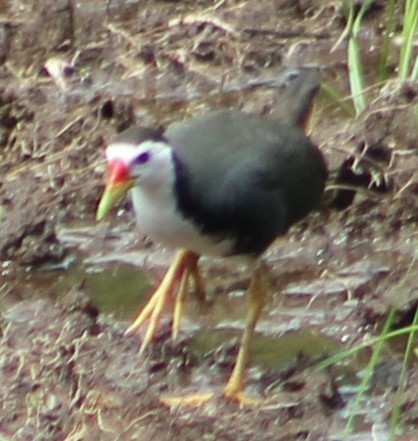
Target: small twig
(120, 32)
(287, 34)
(191, 19)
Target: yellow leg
(233, 390)
(256, 296)
(191, 271)
(179, 303)
(154, 308)
(199, 285)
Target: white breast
(154, 199)
(158, 218)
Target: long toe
(196, 399)
(200, 398)
(177, 274)
(242, 398)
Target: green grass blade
(403, 379)
(409, 32)
(377, 344)
(355, 69)
(338, 97)
(369, 371)
(389, 29)
(336, 358)
(348, 11)
(414, 74)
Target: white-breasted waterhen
(225, 183)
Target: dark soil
(72, 75)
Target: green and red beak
(118, 184)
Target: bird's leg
(233, 390)
(179, 303)
(191, 270)
(199, 285)
(153, 309)
(256, 296)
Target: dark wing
(245, 177)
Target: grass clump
(407, 66)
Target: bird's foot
(152, 310)
(196, 399)
(200, 398)
(243, 399)
(182, 268)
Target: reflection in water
(118, 289)
(267, 351)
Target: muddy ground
(72, 75)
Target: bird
(225, 183)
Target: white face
(149, 163)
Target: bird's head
(137, 157)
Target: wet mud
(72, 75)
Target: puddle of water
(269, 352)
(119, 289)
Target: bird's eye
(142, 158)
